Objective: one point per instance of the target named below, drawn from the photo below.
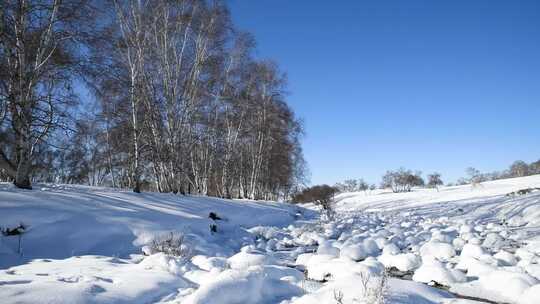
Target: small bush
(375, 288)
(321, 195)
(338, 296)
(14, 231)
(402, 180)
(172, 244)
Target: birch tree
(182, 107)
(38, 60)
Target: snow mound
(508, 283)
(89, 279)
(439, 250)
(531, 295)
(435, 271)
(403, 262)
(244, 259)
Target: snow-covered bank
(64, 221)
(485, 199)
(83, 245)
(481, 241)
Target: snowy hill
(64, 221)
(481, 241)
(487, 200)
(458, 244)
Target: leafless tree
(519, 168)
(475, 177)
(402, 180)
(534, 167)
(362, 185)
(321, 195)
(434, 180)
(39, 56)
(181, 105)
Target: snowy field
(457, 245)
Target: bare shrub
(434, 180)
(321, 195)
(20, 229)
(338, 296)
(375, 288)
(308, 285)
(402, 180)
(17, 231)
(475, 177)
(172, 244)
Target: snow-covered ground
(456, 245)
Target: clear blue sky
(428, 85)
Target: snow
(354, 252)
(244, 286)
(433, 270)
(327, 248)
(531, 295)
(94, 245)
(391, 249)
(472, 250)
(88, 279)
(493, 240)
(209, 263)
(505, 258)
(403, 262)
(245, 259)
(509, 284)
(85, 244)
(439, 250)
(76, 220)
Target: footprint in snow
(104, 279)
(16, 282)
(78, 278)
(69, 279)
(95, 289)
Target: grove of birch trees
(150, 95)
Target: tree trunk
(22, 178)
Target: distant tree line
(404, 180)
(176, 100)
(353, 185)
(518, 168)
